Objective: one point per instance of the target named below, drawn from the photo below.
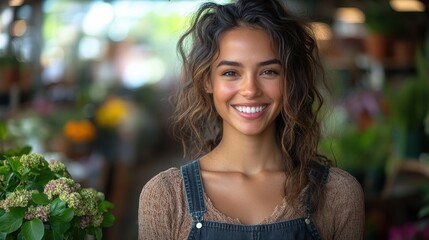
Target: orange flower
(79, 131)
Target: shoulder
(162, 212)
(161, 200)
(341, 183)
(342, 214)
(343, 194)
(164, 183)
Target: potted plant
(39, 199)
(409, 104)
(381, 22)
(354, 152)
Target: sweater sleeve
(156, 208)
(346, 198)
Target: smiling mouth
(250, 109)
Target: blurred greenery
(380, 17)
(410, 101)
(409, 106)
(359, 150)
(3, 131)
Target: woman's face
(246, 82)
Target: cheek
(278, 93)
(224, 90)
(274, 90)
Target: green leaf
(66, 215)
(33, 186)
(40, 198)
(48, 234)
(14, 163)
(11, 221)
(12, 181)
(44, 177)
(20, 236)
(104, 205)
(29, 171)
(3, 235)
(52, 235)
(33, 230)
(17, 152)
(58, 226)
(11, 237)
(108, 219)
(3, 131)
(78, 233)
(57, 207)
(25, 150)
(98, 234)
(4, 169)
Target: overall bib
(297, 229)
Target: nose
(250, 87)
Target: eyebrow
(237, 64)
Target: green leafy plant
(40, 200)
(410, 103)
(409, 106)
(381, 18)
(354, 149)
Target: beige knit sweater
(163, 212)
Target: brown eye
(269, 72)
(229, 74)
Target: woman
(247, 113)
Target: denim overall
(296, 229)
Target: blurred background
(87, 82)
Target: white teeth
(249, 109)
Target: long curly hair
(196, 122)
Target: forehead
(245, 42)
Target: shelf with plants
(392, 37)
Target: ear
(208, 85)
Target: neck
(247, 154)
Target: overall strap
(194, 191)
(319, 173)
